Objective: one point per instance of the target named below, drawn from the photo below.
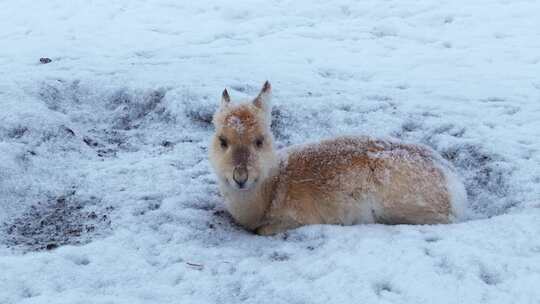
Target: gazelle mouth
(240, 188)
(231, 183)
(244, 187)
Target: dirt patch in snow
(63, 220)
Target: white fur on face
(241, 126)
(236, 123)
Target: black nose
(240, 176)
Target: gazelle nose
(240, 176)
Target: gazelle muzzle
(240, 176)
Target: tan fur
(347, 180)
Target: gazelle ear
(262, 101)
(225, 98)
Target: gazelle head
(242, 148)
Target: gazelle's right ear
(225, 98)
(262, 101)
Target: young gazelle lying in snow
(346, 180)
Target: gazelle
(345, 180)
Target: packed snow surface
(106, 195)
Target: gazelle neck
(248, 207)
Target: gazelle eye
(223, 142)
(259, 142)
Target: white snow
(236, 123)
(103, 151)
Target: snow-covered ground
(106, 195)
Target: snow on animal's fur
(346, 180)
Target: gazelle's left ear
(262, 101)
(225, 98)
